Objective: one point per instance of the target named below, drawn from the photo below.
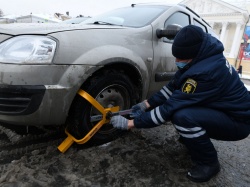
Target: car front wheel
(110, 88)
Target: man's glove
(138, 109)
(119, 122)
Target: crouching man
(206, 99)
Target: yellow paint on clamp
(65, 145)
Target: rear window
(137, 16)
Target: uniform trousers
(198, 125)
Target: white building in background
(37, 18)
(34, 18)
(8, 19)
(227, 20)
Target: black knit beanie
(187, 42)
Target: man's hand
(119, 122)
(138, 109)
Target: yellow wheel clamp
(106, 114)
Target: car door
(163, 64)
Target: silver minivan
(120, 58)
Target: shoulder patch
(189, 86)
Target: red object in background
(243, 46)
(242, 49)
(242, 54)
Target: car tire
(110, 88)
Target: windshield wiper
(104, 23)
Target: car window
(197, 23)
(178, 18)
(134, 16)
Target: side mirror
(169, 32)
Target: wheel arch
(126, 67)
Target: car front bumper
(20, 99)
(39, 94)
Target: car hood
(47, 28)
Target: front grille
(20, 100)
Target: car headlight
(27, 50)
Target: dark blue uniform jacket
(208, 81)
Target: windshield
(137, 16)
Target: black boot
(203, 173)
